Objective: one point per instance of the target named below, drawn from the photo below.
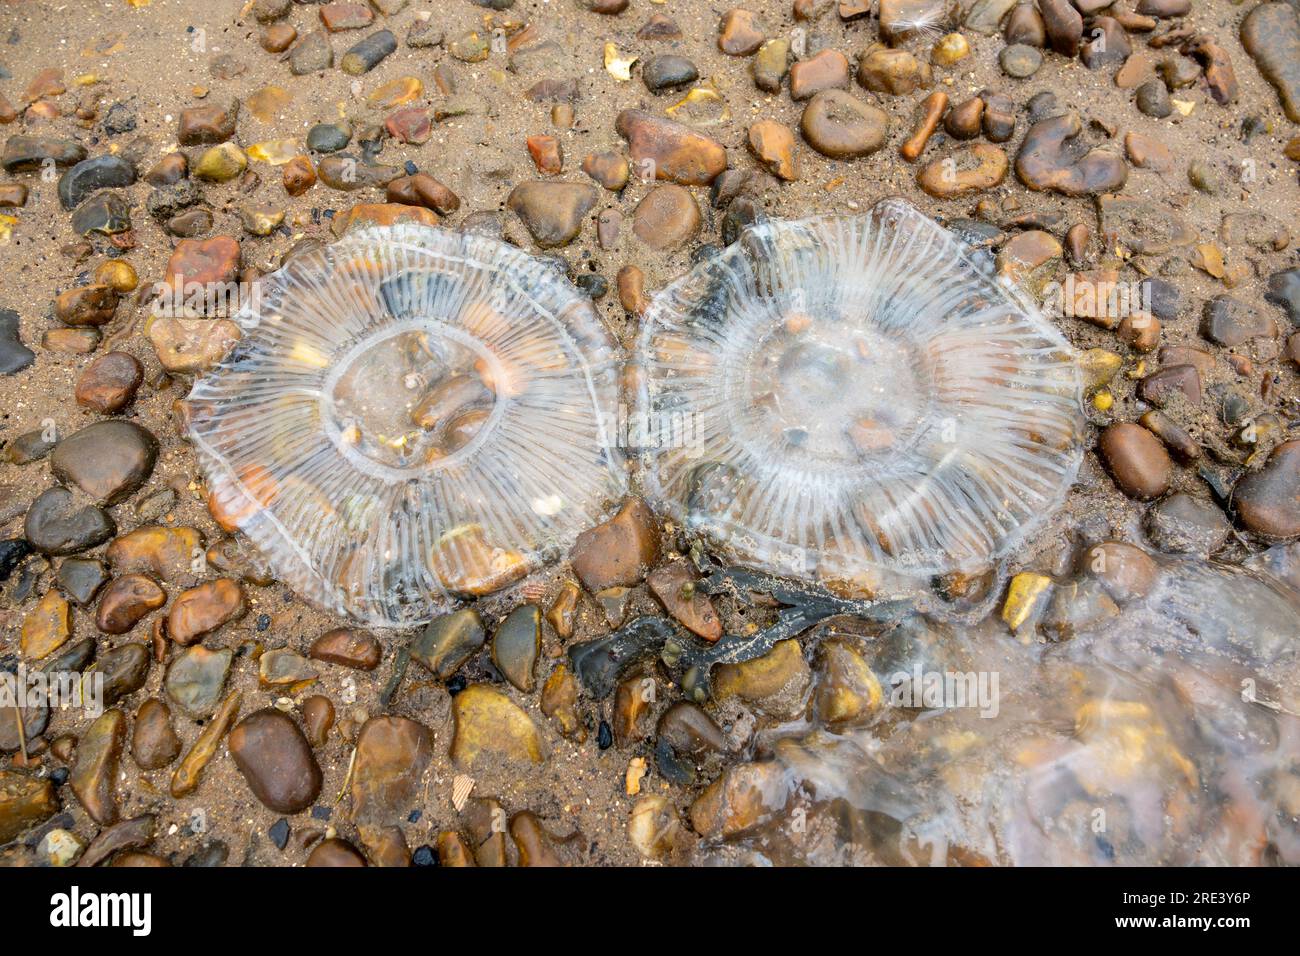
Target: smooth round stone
(125, 669)
(516, 646)
(107, 460)
(126, 601)
(90, 175)
(1020, 61)
(842, 127)
(667, 218)
(335, 852)
(1268, 501)
(449, 641)
(1152, 98)
(196, 678)
(276, 761)
(154, 743)
(57, 523)
(328, 137)
(81, 578)
(667, 71)
(109, 383)
(1137, 459)
(1181, 524)
(107, 213)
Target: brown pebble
(276, 761)
(154, 743)
(1267, 501)
(631, 290)
(348, 648)
(825, 70)
(298, 176)
(933, 107)
(773, 146)
(109, 383)
(1137, 460)
(126, 600)
(740, 32)
(335, 852)
(667, 217)
(318, 718)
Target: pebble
(664, 149)
(967, 169)
(607, 168)
(847, 691)
(1064, 26)
(740, 32)
(24, 153)
(1107, 44)
(771, 64)
(892, 72)
(336, 17)
(1153, 99)
(1230, 322)
(125, 669)
(329, 137)
(552, 211)
(46, 627)
(667, 217)
(312, 54)
(204, 125)
(107, 460)
(516, 645)
(278, 37)
(185, 780)
(773, 146)
(14, 356)
(1020, 61)
(298, 176)
(774, 683)
(90, 175)
(335, 852)
(276, 761)
(365, 55)
(1025, 25)
(196, 678)
(88, 305)
(13, 195)
(95, 770)
(392, 754)
(839, 126)
(202, 609)
(57, 523)
(825, 70)
(618, 552)
(667, 71)
(109, 383)
(1137, 460)
(1271, 35)
(1181, 524)
(559, 701)
(1267, 502)
(424, 33)
(205, 262)
(81, 579)
(154, 744)
(25, 801)
(741, 798)
(192, 345)
(126, 601)
(449, 641)
(491, 728)
(347, 647)
(675, 587)
(221, 163)
(1049, 159)
(1284, 291)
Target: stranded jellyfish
(413, 415)
(1154, 719)
(834, 397)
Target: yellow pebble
(1103, 400)
(1023, 595)
(119, 274)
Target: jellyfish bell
(859, 390)
(413, 416)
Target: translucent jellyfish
(1164, 732)
(412, 416)
(836, 395)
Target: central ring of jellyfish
(833, 396)
(412, 416)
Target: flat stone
(1284, 290)
(664, 149)
(276, 761)
(618, 552)
(46, 626)
(347, 647)
(90, 175)
(1053, 157)
(24, 153)
(24, 802)
(109, 383)
(107, 460)
(162, 551)
(675, 587)
(204, 125)
(81, 578)
(449, 641)
(392, 755)
(490, 727)
(825, 70)
(1267, 501)
(968, 169)
(14, 356)
(192, 345)
(95, 770)
(552, 211)
(312, 54)
(1271, 35)
(1181, 524)
(840, 126)
(57, 523)
(667, 71)
(667, 217)
(202, 609)
(196, 679)
(773, 146)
